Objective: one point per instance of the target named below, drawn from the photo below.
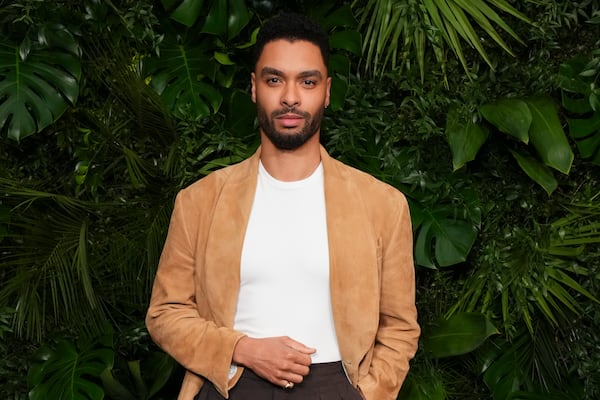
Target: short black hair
(292, 26)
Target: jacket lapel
(354, 269)
(226, 238)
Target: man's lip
(289, 116)
(290, 120)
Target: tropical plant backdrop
(486, 113)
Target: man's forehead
(284, 54)
(266, 70)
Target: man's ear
(253, 81)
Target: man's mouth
(290, 120)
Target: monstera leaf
(184, 76)
(442, 239)
(142, 380)
(38, 81)
(69, 371)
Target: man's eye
(273, 80)
(308, 82)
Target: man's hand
(280, 360)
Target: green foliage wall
(122, 103)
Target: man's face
(290, 87)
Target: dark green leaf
(417, 388)
(339, 88)
(68, 372)
(56, 36)
(183, 77)
(115, 389)
(4, 220)
(347, 40)
(570, 78)
(464, 139)
(586, 133)
(159, 368)
(453, 242)
(238, 18)
(503, 376)
(441, 236)
(547, 135)
(510, 116)
(341, 17)
(339, 63)
(184, 11)
(536, 171)
(136, 374)
(241, 112)
(576, 105)
(36, 92)
(459, 334)
(226, 18)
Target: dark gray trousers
(326, 381)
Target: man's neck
(291, 165)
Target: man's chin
(288, 141)
(290, 130)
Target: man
(290, 274)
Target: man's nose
(290, 96)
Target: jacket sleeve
(398, 333)
(173, 319)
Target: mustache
(290, 110)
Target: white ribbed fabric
(284, 288)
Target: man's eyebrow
(270, 71)
(310, 73)
(301, 75)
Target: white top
(284, 282)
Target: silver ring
(288, 385)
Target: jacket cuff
(222, 381)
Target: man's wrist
(239, 351)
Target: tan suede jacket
(193, 302)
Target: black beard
(289, 141)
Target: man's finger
(301, 347)
(300, 370)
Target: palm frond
(396, 28)
(536, 271)
(47, 268)
(528, 366)
(70, 262)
